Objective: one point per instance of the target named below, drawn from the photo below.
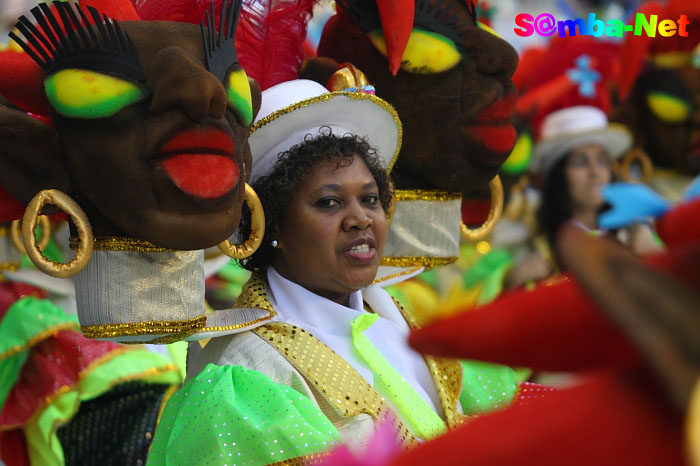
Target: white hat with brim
(294, 109)
(567, 129)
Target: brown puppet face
(154, 142)
(664, 113)
(452, 90)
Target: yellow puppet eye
(668, 108)
(425, 53)
(239, 97)
(78, 93)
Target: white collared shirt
(330, 323)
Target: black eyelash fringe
(220, 51)
(364, 13)
(70, 40)
(440, 17)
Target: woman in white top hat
(320, 163)
(574, 158)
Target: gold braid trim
(306, 460)
(411, 261)
(109, 243)
(432, 195)
(446, 373)
(396, 275)
(39, 337)
(181, 327)
(350, 95)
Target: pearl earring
(274, 243)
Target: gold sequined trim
(39, 337)
(120, 244)
(306, 460)
(9, 266)
(446, 373)
(425, 261)
(254, 293)
(396, 275)
(144, 328)
(425, 195)
(325, 97)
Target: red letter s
(522, 21)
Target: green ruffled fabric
(230, 414)
(24, 324)
(486, 386)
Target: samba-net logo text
(546, 25)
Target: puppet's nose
(180, 82)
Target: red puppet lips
(200, 162)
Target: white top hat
(565, 130)
(294, 109)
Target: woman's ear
(30, 156)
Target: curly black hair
(290, 171)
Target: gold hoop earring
(16, 233)
(257, 229)
(29, 221)
(639, 156)
(496, 188)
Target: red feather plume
(270, 39)
(270, 35)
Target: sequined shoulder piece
(446, 373)
(253, 294)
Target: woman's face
(587, 169)
(332, 236)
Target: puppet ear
(319, 69)
(30, 158)
(255, 96)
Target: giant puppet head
(448, 78)
(148, 120)
(660, 89)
